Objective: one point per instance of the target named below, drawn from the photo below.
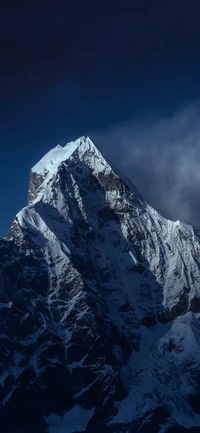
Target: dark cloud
(162, 158)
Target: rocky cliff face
(100, 306)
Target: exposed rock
(99, 300)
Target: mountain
(100, 306)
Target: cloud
(161, 155)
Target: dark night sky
(68, 68)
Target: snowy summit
(100, 306)
(55, 156)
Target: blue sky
(70, 69)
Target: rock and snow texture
(100, 306)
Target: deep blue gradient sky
(69, 68)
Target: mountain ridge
(100, 297)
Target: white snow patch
(75, 420)
(17, 357)
(154, 377)
(54, 157)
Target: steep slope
(100, 301)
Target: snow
(154, 377)
(3, 377)
(33, 361)
(75, 420)
(55, 156)
(187, 227)
(17, 357)
(5, 304)
(50, 162)
(138, 263)
(185, 335)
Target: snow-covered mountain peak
(100, 305)
(55, 156)
(45, 170)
